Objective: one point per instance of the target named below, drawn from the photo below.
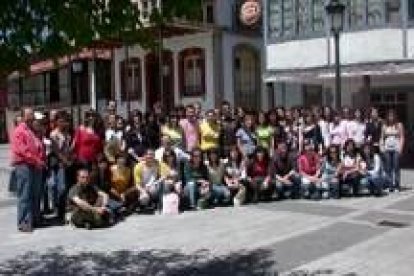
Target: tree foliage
(50, 28)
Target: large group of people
(189, 159)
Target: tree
(40, 29)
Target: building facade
(218, 59)
(215, 59)
(377, 54)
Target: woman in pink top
(190, 129)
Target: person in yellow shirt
(122, 188)
(209, 132)
(173, 130)
(147, 178)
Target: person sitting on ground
(370, 168)
(330, 170)
(147, 177)
(309, 171)
(284, 172)
(220, 192)
(258, 172)
(90, 206)
(350, 168)
(197, 186)
(235, 176)
(122, 188)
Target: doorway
(153, 80)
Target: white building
(216, 60)
(377, 54)
(209, 61)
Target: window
(192, 72)
(356, 13)
(290, 18)
(54, 91)
(246, 77)
(393, 8)
(131, 79)
(103, 79)
(208, 11)
(411, 9)
(80, 85)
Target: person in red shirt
(309, 165)
(87, 144)
(258, 173)
(28, 159)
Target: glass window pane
(275, 20)
(392, 10)
(318, 14)
(289, 18)
(303, 16)
(375, 15)
(357, 9)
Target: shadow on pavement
(154, 262)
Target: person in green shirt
(264, 132)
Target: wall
(176, 45)
(297, 54)
(356, 47)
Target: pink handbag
(170, 203)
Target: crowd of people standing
(189, 159)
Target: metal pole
(338, 101)
(161, 66)
(78, 99)
(160, 56)
(128, 84)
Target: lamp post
(77, 68)
(335, 10)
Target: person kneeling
(91, 208)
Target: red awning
(87, 54)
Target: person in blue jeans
(330, 171)
(220, 192)
(196, 181)
(283, 172)
(392, 144)
(371, 170)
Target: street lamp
(335, 10)
(77, 68)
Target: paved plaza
(334, 237)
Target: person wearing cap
(28, 158)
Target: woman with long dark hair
(258, 173)
(235, 176)
(350, 168)
(220, 192)
(392, 143)
(370, 167)
(196, 181)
